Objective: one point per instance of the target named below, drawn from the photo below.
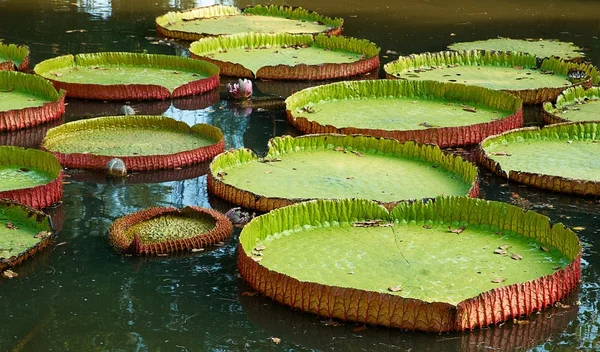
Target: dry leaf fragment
(372, 223)
(558, 267)
(42, 234)
(498, 280)
(457, 230)
(332, 322)
(340, 149)
(9, 274)
(58, 74)
(195, 250)
(276, 340)
(394, 288)
(578, 228)
(350, 178)
(249, 294)
(269, 172)
(427, 226)
(470, 109)
(260, 248)
(516, 256)
(500, 153)
(504, 246)
(561, 305)
(500, 251)
(257, 259)
(545, 249)
(521, 322)
(357, 153)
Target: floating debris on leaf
(394, 288)
(372, 223)
(457, 230)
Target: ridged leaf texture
(16, 53)
(30, 83)
(30, 158)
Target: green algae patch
(574, 104)
(422, 111)
(143, 142)
(287, 56)
(120, 76)
(14, 177)
(220, 20)
(539, 47)
(23, 232)
(562, 157)
(163, 230)
(336, 166)
(517, 73)
(450, 264)
(13, 57)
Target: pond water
(80, 295)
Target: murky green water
(82, 296)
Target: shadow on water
(81, 295)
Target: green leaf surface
(334, 166)
(569, 151)
(400, 105)
(413, 248)
(17, 230)
(24, 168)
(538, 47)
(19, 90)
(128, 136)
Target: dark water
(82, 296)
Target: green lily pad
(23, 232)
(165, 230)
(28, 100)
(574, 104)
(287, 56)
(122, 76)
(30, 176)
(422, 111)
(13, 57)
(337, 166)
(220, 20)
(91, 143)
(561, 158)
(433, 266)
(517, 73)
(539, 47)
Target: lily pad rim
(578, 50)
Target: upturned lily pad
(517, 73)
(337, 166)
(142, 142)
(319, 257)
(422, 111)
(574, 104)
(220, 20)
(287, 56)
(560, 158)
(30, 176)
(24, 231)
(123, 76)
(539, 47)
(28, 100)
(162, 230)
(13, 57)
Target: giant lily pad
(13, 57)
(560, 158)
(517, 73)
(451, 264)
(422, 111)
(142, 142)
(539, 47)
(164, 230)
(122, 76)
(220, 20)
(288, 56)
(574, 104)
(337, 166)
(28, 100)
(24, 231)
(30, 176)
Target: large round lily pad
(162, 230)
(142, 142)
(288, 56)
(337, 166)
(451, 264)
(28, 100)
(123, 76)
(220, 20)
(422, 111)
(13, 57)
(24, 231)
(539, 47)
(560, 158)
(517, 73)
(574, 104)
(30, 176)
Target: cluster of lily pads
(384, 217)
